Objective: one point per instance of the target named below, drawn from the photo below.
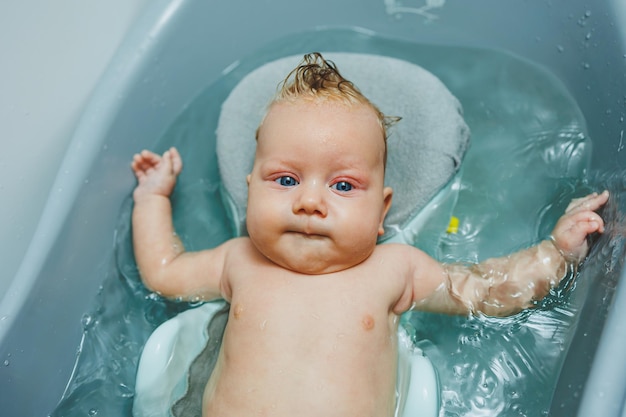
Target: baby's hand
(579, 220)
(156, 175)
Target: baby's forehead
(288, 110)
(339, 121)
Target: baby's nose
(311, 201)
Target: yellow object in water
(453, 226)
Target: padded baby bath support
(425, 150)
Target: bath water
(527, 159)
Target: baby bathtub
(178, 45)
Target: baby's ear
(248, 179)
(387, 197)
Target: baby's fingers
(590, 202)
(176, 161)
(144, 161)
(581, 224)
(591, 222)
(570, 233)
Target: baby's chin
(314, 263)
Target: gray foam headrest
(425, 148)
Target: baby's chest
(312, 335)
(312, 309)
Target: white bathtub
(176, 46)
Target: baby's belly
(337, 377)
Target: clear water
(529, 152)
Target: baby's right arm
(163, 264)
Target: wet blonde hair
(316, 78)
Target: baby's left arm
(506, 285)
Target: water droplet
(153, 296)
(93, 411)
(6, 362)
(583, 20)
(125, 391)
(87, 321)
(560, 48)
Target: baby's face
(316, 198)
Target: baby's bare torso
(307, 345)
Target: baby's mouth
(313, 236)
(308, 233)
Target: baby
(315, 302)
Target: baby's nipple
(238, 311)
(368, 322)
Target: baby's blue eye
(287, 181)
(343, 186)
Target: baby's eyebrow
(277, 164)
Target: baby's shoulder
(237, 248)
(241, 252)
(401, 255)
(397, 250)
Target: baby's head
(318, 80)
(316, 196)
